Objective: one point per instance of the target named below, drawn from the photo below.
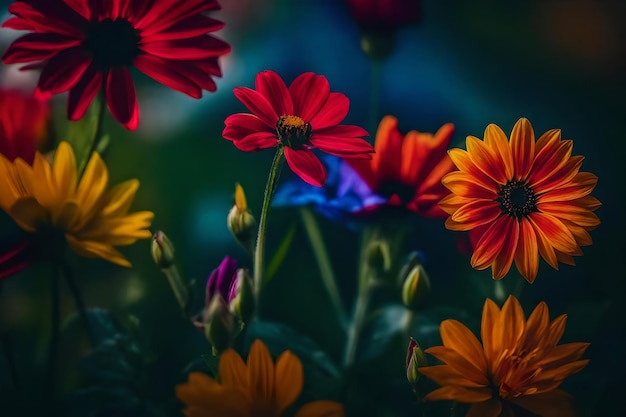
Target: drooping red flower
(407, 169)
(23, 124)
(83, 46)
(303, 117)
(384, 15)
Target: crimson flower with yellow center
(407, 169)
(50, 202)
(521, 199)
(83, 46)
(519, 363)
(258, 389)
(299, 118)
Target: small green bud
(378, 256)
(243, 304)
(240, 221)
(162, 250)
(415, 288)
(415, 359)
(219, 325)
(378, 45)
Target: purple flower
(222, 281)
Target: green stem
(80, 304)
(375, 95)
(101, 102)
(323, 261)
(178, 286)
(272, 179)
(53, 346)
(358, 322)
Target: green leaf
(280, 254)
(82, 133)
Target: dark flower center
(517, 199)
(403, 191)
(112, 43)
(293, 131)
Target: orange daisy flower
(520, 199)
(407, 169)
(260, 389)
(519, 363)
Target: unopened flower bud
(219, 325)
(243, 304)
(415, 359)
(240, 221)
(415, 288)
(378, 256)
(378, 45)
(162, 250)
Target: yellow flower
(258, 389)
(519, 363)
(45, 198)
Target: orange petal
(232, 370)
(527, 252)
(523, 147)
(486, 160)
(464, 163)
(463, 184)
(579, 215)
(563, 175)
(582, 184)
(459, 338)
(260, 373)
(547, 141)
(288, 381)
(477, 212)
(490, 408)
(321, 409)
(556, 403)
(502, 263)
(388, 147)
(536, 327)
(555, 332)
(460, 394)
(492, 340)
(555, 231)
(446, 375)
(564, 354)
(496, 139)
(461, 364)
(490, 244)
(512, 323)
(550, 159)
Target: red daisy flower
(83, 46)
(407, 169)
(23, 124)
(299, 118)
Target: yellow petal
(288, 380)
(92, 249)
(119, 198)
(29, 214)
(64, 170)
(92, 186)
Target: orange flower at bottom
(260, 389)
(518, 364)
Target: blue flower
(343, 195)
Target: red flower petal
(64, 70)
(273, 88)
(165, 72)
(37, 47)
(491, 243)
(50, 16)
(476, 213)
(523, 147)
(342, 130)
(555, 232)
(258, 105)
(121, 98)
(309, 92)
(240, 125)
(305, 164)
(199, 47)
(348, 147)
(527, 253)
(159, 15)
(83, 93)
(256, 142)
(190, 27)
(502, 263)
(332, 113)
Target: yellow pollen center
(292, 131)
(293, 121)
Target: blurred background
(560, 63)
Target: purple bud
(222, 280)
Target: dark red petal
(162, 14)
(333, 112)
(50, 16)
(343, 130)
(305, 164)
(199, 47)
(64, 70)
(257, 104)
(165, 73)
(209, 65)
(240, 125)
(37, 47)
(121, 98)
(309, 92)
(189, 28)
(15, 259)
(256, 142)
(83, 93)
(84, 8)
(342, 146)
(272, 87)
(18, 23)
